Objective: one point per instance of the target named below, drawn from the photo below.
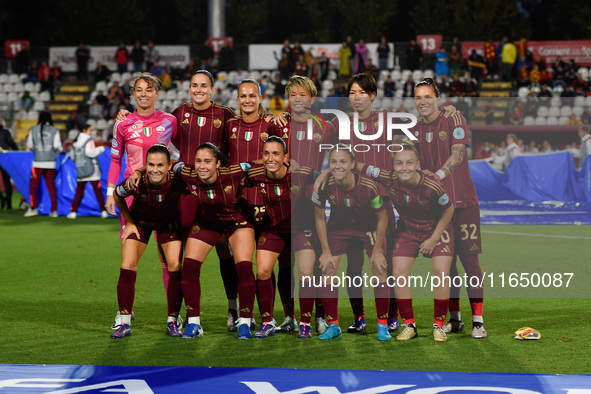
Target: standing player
(135, 135)
(424, 227)
(442, 147)
(218, 190)
(357, 214)
(302, 92)
(154, 208)
(246, 135)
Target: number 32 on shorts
(468, 231)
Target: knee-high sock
(246, 288)
(265, 295)
(440, 310)
(174, 295)
(191, 286)
(406, 311)
(382, 296)
(306, 302)
(126, 290)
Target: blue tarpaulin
(538, 178)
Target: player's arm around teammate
(153, 210)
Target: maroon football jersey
(196, 127)
(355, 208)
(280, 196)
(305, 150)
(221, 201)
(152, 205)
(245, 144)
(435, 142)
(419, 207)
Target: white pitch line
(534, 235)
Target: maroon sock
(229, 277)
(246, 288)
(330, 301)
(454, 304)
(285, 282)
(174, 295)
(306, 303)
(440, 306)
(382, 296)
(191, 286)
(405, 308)
(265, 294)
(126, 290)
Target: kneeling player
(154, 208)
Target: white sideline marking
(534, 235)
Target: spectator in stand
(287, 51)
(568, 95)
(559, 77)
(489, 112)
(490, 57)
(545, 92)
(101, 73)
(570, 72)
(441, 62)
(361, 56)
(383, 54)
(351, 45)
(522, 46)
(276, 104)
(516, 117)
(535, 76)
(166, 79)
(226, 58)
(22, 60)
(484, 152)
(101, 98)
(324, 63)
(56, 74)
(138, 56)
(115, 91)
(456, 86)
(470, 88)
(586, 117)
(531, 105)
(455, 61)
(414, 56)
(45, 79)
(585, 135)
(463, 106)
(342, 89)
(533, 148)
(444, 86)
(546, 147)
(156, 68)
(546, 76)
(574, 120)
(523, 76)
(541, 63)
(512, 150)
(121, 58)
(476, 65)
(522, 62)
(508, 56)
(26, 101)
(207, 54)
(580, 82)
(389, 87)
(296, 51)
(371, 69)
(151, 55)
(409, 87)
(82, 55)
(96, 111)
(344, 64)
(559, 62)
(301, 68)
(284, 65)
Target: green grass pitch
(58, 295)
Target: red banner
(13, 47)
(580, 51)
(218, 42)
(429, 43)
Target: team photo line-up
(239, 178)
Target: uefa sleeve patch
(459, 133)
(444, 199)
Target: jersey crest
(248, 135)
(201, 121)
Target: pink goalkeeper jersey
(135, 135)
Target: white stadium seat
(578, 110)
(563, 120)
(541, 121)
(552, 120)
(529, 121)
(566, 110)
(14, 78)
(542, 111)
(554, 111)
